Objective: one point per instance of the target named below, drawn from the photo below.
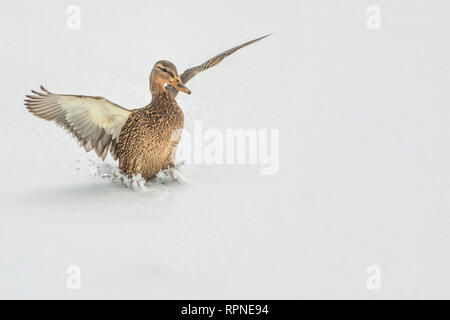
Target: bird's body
(144, 140)
(148, 139)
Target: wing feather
(95, 121)
(192, 72)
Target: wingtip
(258, 39)
(38, 93)
(44, 89)
(265, 36)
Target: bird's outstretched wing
(95, 121)
(191, 72)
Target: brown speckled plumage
(148, 140)
(144, 140)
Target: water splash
(110, 171)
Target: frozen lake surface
(363, 179)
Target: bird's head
(163, 73)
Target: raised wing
(95, 121)
(191, 72)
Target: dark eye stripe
(166, 71)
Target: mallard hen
(144, 140)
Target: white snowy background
(364, 175)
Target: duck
(144, 140)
